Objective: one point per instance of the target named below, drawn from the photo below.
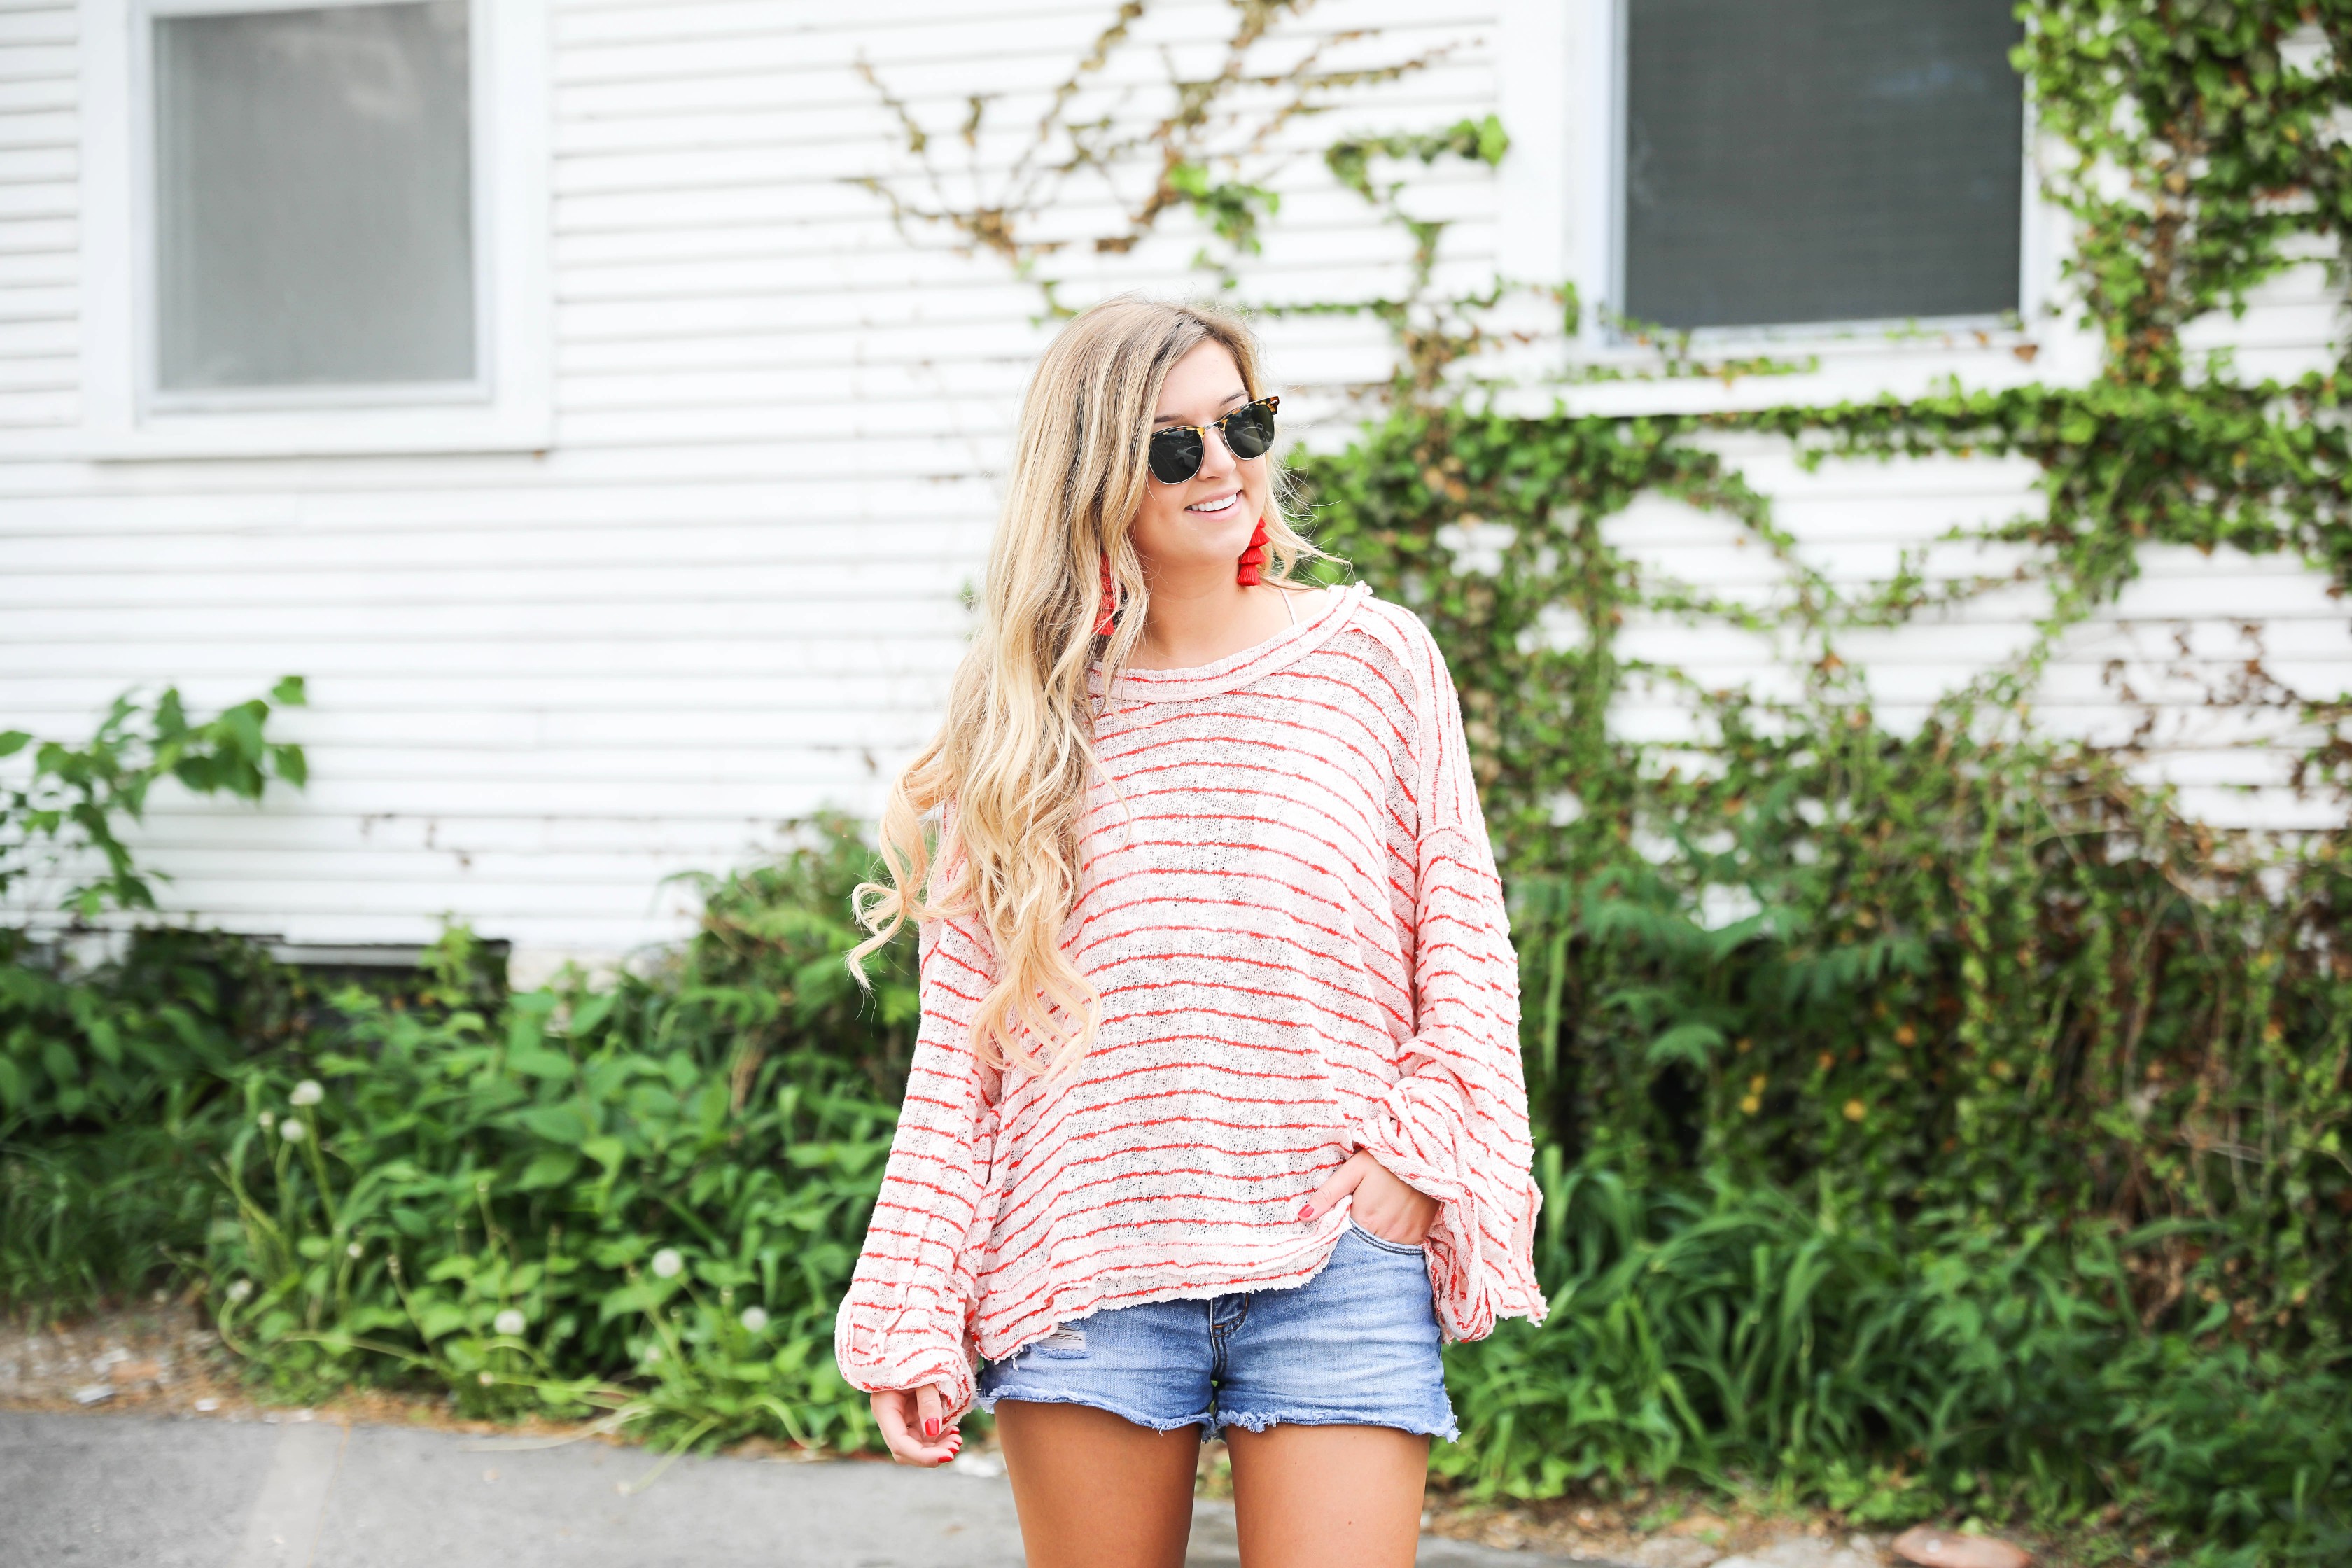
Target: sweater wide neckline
(1234, 670)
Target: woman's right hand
(913, 1424)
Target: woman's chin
(1191, 542)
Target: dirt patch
(158, 1357)
(1664, 1531)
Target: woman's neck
(1185, 630)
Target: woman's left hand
(1384, 1205)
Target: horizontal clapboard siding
(732, 592)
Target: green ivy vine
(1966, 974)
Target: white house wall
(730, 593)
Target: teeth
(1214, 506)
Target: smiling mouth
(1219, 504)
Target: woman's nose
(1215, 455)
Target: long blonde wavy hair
(1003, 784)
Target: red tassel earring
(1252, 559)
(1103, 626)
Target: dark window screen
(1821, 160)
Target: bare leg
(1328, 1496)
(1096, 1491)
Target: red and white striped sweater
(1290, 909)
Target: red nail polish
(931, 1428)
(1307, 1211)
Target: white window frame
(1561, 71)
(508, 404)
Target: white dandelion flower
(268, 1120)
(755, 1318)
(485, 1379)
(653, 1354)
(308, 1092)
(292, 1131)
(240, 1290)
(355, 1250)
(510, 1323)
(667, 1263)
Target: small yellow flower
(1755, 1084)
(1751, 1104)
(1856, 1111)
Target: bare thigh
(1096, 1491)
(1328, 1496)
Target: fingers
(927, 1407)
(898, 1410)
(1336, 1185)
(1391, 1210)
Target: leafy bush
(64, 810)
(109, 1072)
(644, 1197)
(113, 1106)
(1732, 1333)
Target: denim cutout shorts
(1355, 1346)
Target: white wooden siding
(731, 591)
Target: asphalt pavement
(133, 1491)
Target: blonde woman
(1215, 1123)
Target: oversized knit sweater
(1291, 909)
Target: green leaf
(556, 1123)
(438, 1318)
(537, 1061)
(1691, 1043)
(551, 1168)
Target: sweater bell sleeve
(1454, 1125)
(907, 1319)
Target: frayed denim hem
(1448, 1431)
(988, 1402)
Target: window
(1819, 161)
(313, 221)
(315, 225)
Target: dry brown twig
(1227, 120)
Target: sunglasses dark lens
(1175, 455)
(1250, 431)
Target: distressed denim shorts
(1355, 1346)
